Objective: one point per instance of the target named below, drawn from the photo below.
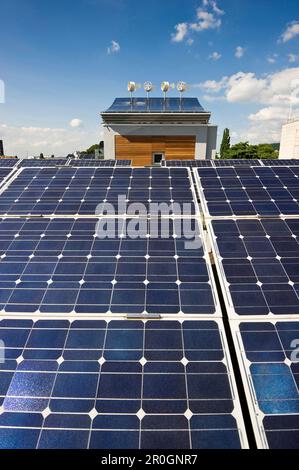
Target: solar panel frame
(265, 193)
(47, 359)
(73, 189)
(259, 266)
(254, 345)
(53, 266)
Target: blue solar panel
(94, 163)
(187, 163)
(30, 162)
(8, 162)
(86, 266)
(237, 162)
(4, 172)
(260, 265)
(122, 384)
(270, 364)
(247, 191)
(281, 162)
(80, 191)
(155, 105)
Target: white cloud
(293, 58)
(271, 113)
(291, 31)
(215, 56)
(114, 48)
(239, 52)
(272, 58)
(31, 140)
(280, 88)
(208, 16)
(190, 41)
(181, 32)
(76, 123)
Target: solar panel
(155, 105)
(187, 163)
(270, 364)
(123, 162)
(94, 163)
(8, 162)
(281, 162)
(84, 191)
(252, 191)
(258, 263)
(93, 266)
(122, 384)
(30, 162)
(236, 162)
(4, 172)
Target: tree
(266, 151)
(225, 144)
(242, 150)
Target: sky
(62, 62)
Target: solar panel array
(249, 191)
(252, 216)
(112, 340)
(99, 163)
(85, 191)
(187, 163)
(122, 384)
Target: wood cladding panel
(140, 149)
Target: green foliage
(94, 147)
(245, 150)
(225, 144)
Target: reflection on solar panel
(265, 352)
(95, 163)
(249, 191)
(8, 162)
(259, 265)
(155, 105)
(187, 163)
(74, 191)
(122, 384)
(237, 162)
(30, 162)
(281, 162)
(61, 266)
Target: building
(289, 144)
(148, 130)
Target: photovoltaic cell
(90, 266)
(247, 191)
(281, 162)
(122, 384)
(271, 371)
(85, 191)
(259, 262)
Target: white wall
(289, 143)
(206, 136)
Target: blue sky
(63, 61)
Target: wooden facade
(140, 149)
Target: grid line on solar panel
(28, 162)
(85, 191)
(99, 267)
(258, 265)
(126, 384)
(250, 192)
(271, 379)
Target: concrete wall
(206, 136)
(289, 144)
